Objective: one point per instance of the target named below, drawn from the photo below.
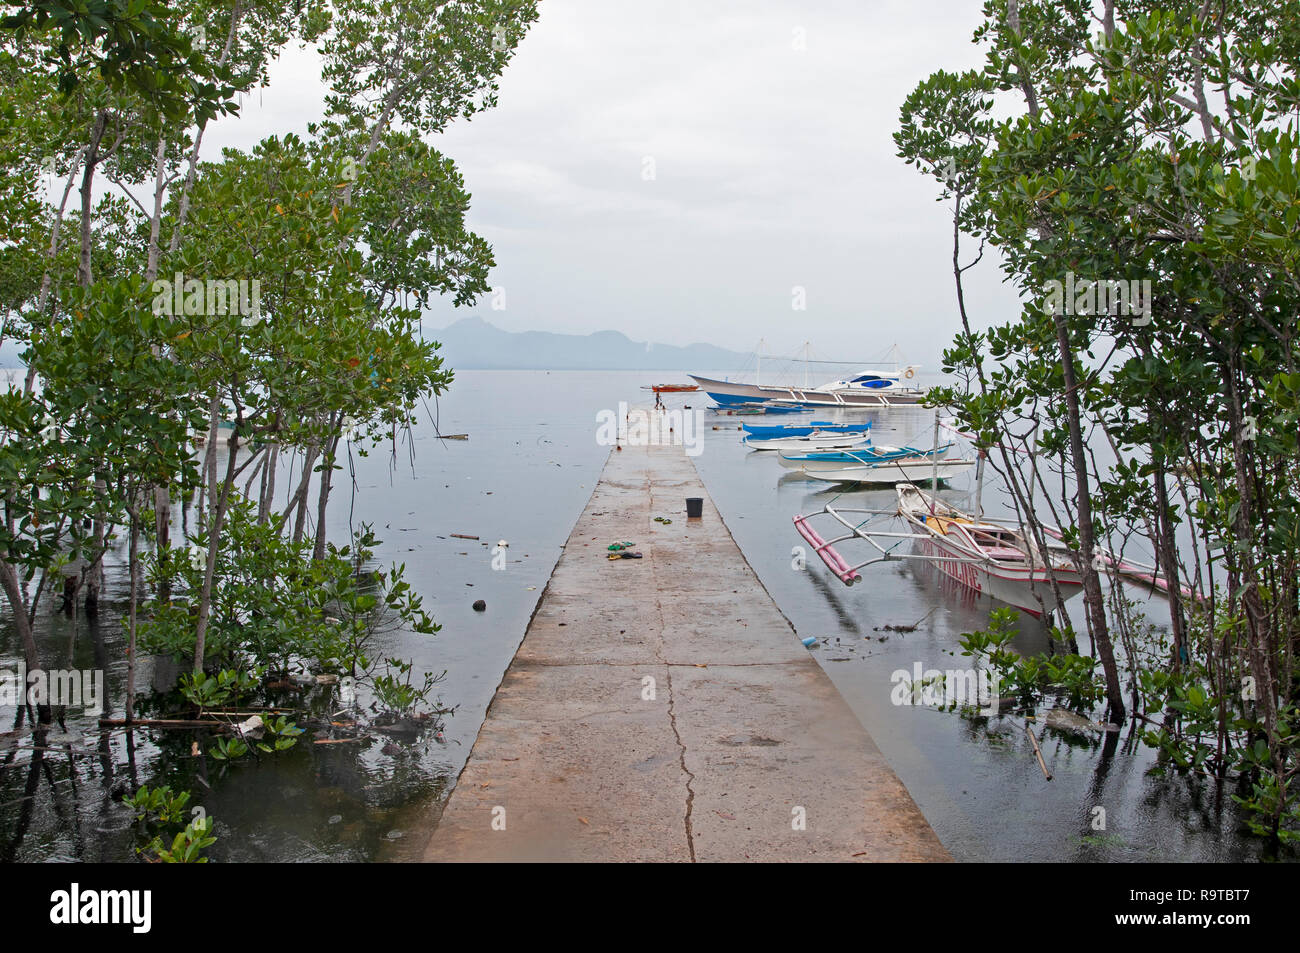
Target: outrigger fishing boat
(817, 439)
(814, 441)
(830, 459)
(884, 389)
(864, 389)
(773, 431)
(911, 469)
(670, 388)
(995, 558)
(877, 464)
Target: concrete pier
(662, 709)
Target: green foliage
(275, 735)
(276, 608)
(1074, 678)
(1160, 147)
(109, 418)
(186, 847)
(229, 749)
(140, 46)
(395, 692)
(160, 807)
(283, 735)
(342, 237)
(213, 691)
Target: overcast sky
(769, 125)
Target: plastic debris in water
(252, 728)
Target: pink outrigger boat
(986, 556)
(995, 558)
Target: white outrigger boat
(868, 456)
(864, 389)
(995, 558)
(771, 431)
(883, 389)
(878, 464)
(817, 440)
(909, 469)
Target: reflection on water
(976, 779)
(524, 475)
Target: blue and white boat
(772, 431)
(879, 465)
(898, 470)
(883, 389)
(815, 441)
(828, 460)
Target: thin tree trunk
(47, 279)
(209, 463)
(268, 484)
(14, 593)
(161, 495)
(1167, 554)
(1094, 602)
(1198, 82)
(84, 274)
(155, 220)
(214, 541)
(95, 575)
(300, 496)
(85, 277)
(326, 483)
(132, 552)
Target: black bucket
(695, 506)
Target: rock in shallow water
(1065, 720)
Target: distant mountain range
(472, 343)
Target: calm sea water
(523, 476)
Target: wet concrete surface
(662, 709)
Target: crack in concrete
(681, 758)
(672, 702)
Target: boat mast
(758, 373)
(979, 485)
(807, 356)
(934, 463)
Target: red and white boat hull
(1017, 586)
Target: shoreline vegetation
(1102, 147)
(330, 243)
